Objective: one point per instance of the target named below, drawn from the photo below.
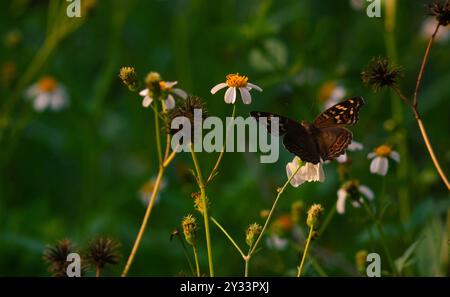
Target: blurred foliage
(77, 173)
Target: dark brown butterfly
(325, 139)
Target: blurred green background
(77, 173)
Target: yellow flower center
(236, 80)
(383, 150)
(47, 84)
(326, 90)
(164, 87)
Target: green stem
(327, 221)
(197, 266)
(300, 268)
(228, 236)
(186, 254)
(201, 185)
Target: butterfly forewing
(343, 113)
(296, 139)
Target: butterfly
(324, 139)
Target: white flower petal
(356, 204)
(395, 156)
(342, 158)
(379, 165)
(144, 92)
(371, 155)
(180, 93)
(169, 102)
(355, 146)
(32, 91)
(291, 167)
(147, 101)
(253, 86)
(57, 100)
(230, 95)
(245, 94)
(366, 191)
(41, 102)
(276, 242)
(340, 203)
(169, 84)
(218, 87)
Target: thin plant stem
(382, 237)
(327, 220)
(202, 187)
(144, 222)
(305, 252)
(274, 205)
(197, 266)
(246, 260)
(158, 136)
(228, 236)
(219, 159)
(186, 255)
(97, 271)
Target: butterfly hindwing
(332, 141)
(343, 113)
(296, 139)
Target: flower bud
(252, 232)
(189, 225)
(129, 77)
(314, 215)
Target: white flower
(164, 86)
(428, 28)
(48, 93)
(146, 190)
(380, 164)
(355, 191)
(276, 242)
(309, 172)
(233, 82)
(354, 146)
(331, 93)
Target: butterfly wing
(332, 141)
(296, 139)
(343, 113)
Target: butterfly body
(324, 139)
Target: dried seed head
(441, 11)
(189, 225)
(56, 256)
(198, 202)
(102, 251)
(314, 215)
(252, 232)
(380, 74)
(189, 108)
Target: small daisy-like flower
(308, 172)
(233, 82)
(380, 74)
(441, 11)
(354, 146)
(331, 93)
(428, 28)
(379, 156)
(146, 190)
(353, 190)
(48, 93)
(157, 88)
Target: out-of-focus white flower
(146, 190)
(379, 156)
(331, 93)
(307, 173)
(165, 87)
(48, 93)
(275, 242)
(357, 4)
(428, 28)
(355, 191)
(233, 82)
(354, 146)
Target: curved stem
(219, 159)
(144, 222)
(97, 271)
(422, 67)
(228, 236)
(311, 229)
(271, 213)
(201, 185)
(158, 136)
